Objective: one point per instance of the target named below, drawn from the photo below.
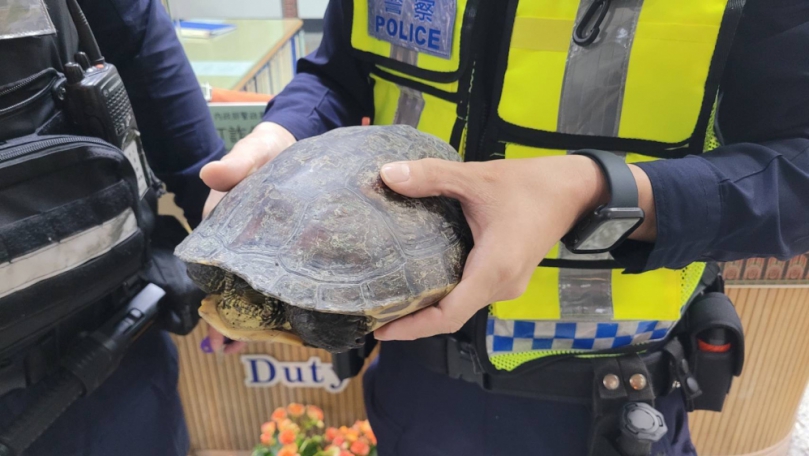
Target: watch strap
(620, 180)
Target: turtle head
(208, 278)
(335, 333)
(242, 307)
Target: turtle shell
(317, 228)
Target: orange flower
(287, 436)
(288, 451)
(360, 448)
(268, 428)
(287, 424)
(295, 410)
(339, 441)
(279, 414)
(365, 426)
(331, 433)
(266, 439)
(351, 434)
(371, 436)
(315, 413)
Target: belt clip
(463, 362)
(681, 372)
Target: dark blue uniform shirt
(178, 134)
(748, 198)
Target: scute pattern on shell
(318, 229)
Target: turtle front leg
(335, 333)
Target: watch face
(607, 234)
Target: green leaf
(309, 448)
(261, 450)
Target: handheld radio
(95, 97)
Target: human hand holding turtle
(517, 211)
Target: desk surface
(228, 61)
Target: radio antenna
(86, 37)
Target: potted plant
(298, 430)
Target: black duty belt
(567, 379)
(620, 390)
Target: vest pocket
(646, 84)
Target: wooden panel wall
(760, 411)
(224, 414)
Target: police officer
(137, 411)
(546, 85)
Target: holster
(713, 370)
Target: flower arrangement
(298, 430)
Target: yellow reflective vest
(645, 88)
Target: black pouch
(73, 227)
(715, 346)
(76, 214)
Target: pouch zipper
(110, 151)
(19, 150)
(45, 90)
(27, 81)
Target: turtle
(314, 249)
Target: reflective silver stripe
(19, 18)
(409, 107)
(411, 102)
(66, 254)
(592, 95)
(404, 55)
(585, 294)
(595, 76)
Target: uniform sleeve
(178, 134)
(331, 89)
(750, 197)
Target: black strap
(64, 221)
(681, 371)
(724, 42)
(621, 182)
(610, 398)
(579, 264)
(560, 379)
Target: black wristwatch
(605, 228)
